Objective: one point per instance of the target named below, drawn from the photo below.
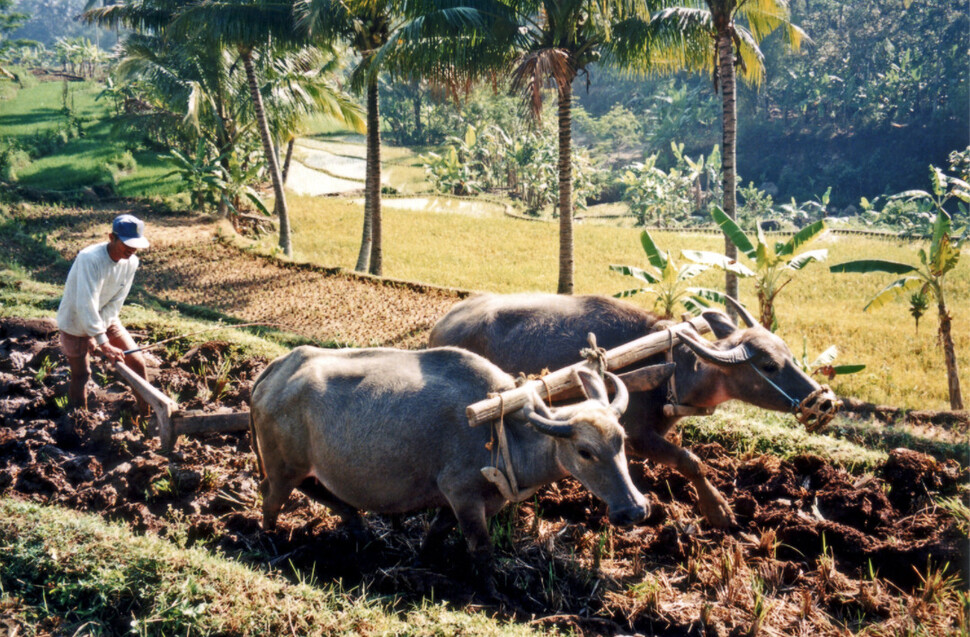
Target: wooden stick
(198, 422)
(162, 405)
(564, 379)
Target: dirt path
(823, 551)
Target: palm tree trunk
(565, 189)
(372, 181)
(274, 168)
(288, 159)
(729, 136)
(374, 173)
(949, 355)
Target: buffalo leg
(440, 527)
(712, 504)
(275, 494)
(312, 488)
(474, 526)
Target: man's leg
(80, 373)
(120, 338)
(75, 350)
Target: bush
(12, 161)
(125, 162)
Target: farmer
(97, 285)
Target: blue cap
(130, 230)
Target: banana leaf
(733, 232)
(654, 255)
(627, 293)
(803, 236)
(941, 229)
(892, 291)
(865, 266)
(636, 273)
(690, 270)
(800, 261)
(716, 260)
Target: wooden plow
(173, 422)
(563, 383)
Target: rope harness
(506, 482)
(673, 407)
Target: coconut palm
(552, 42)
(736, 28)
(366, 25)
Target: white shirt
(95, 290)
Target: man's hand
(111, 352)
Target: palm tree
(366, 25)
(253, 29)
(540, 42)
(737, 27)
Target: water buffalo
(385, 430)
(531, 332)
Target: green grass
(904, 368)
(857, 446)
(67, 573)
(80, 161)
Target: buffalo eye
(770, 367)
(585, 454)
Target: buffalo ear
(720, 323)
(593, 386)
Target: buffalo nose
(629, 515)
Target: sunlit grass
(78, 574)
(80, 161)
(506, 255)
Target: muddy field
(817, 550)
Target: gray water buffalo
(531, 332)
(385, 430)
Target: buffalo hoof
(717, 511)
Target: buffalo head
(589, 444)
(756, 366)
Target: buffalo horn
(647, 378)
(741, 310)
(549, 426)
(734, 356)
(622, 398)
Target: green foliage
(913, 212)
(775, 263)
(675, 197)
(667, 282)
(489, 158)
(822, 364)
(929, 277)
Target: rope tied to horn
(595, 356)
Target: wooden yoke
(162, 405)
(563, 380)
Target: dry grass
(904, 368)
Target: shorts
(79, 346)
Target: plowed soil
(816, 549)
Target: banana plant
(928, 277)
(822, 364)
(774, 263)
(667, 282)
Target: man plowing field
(96, 288)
